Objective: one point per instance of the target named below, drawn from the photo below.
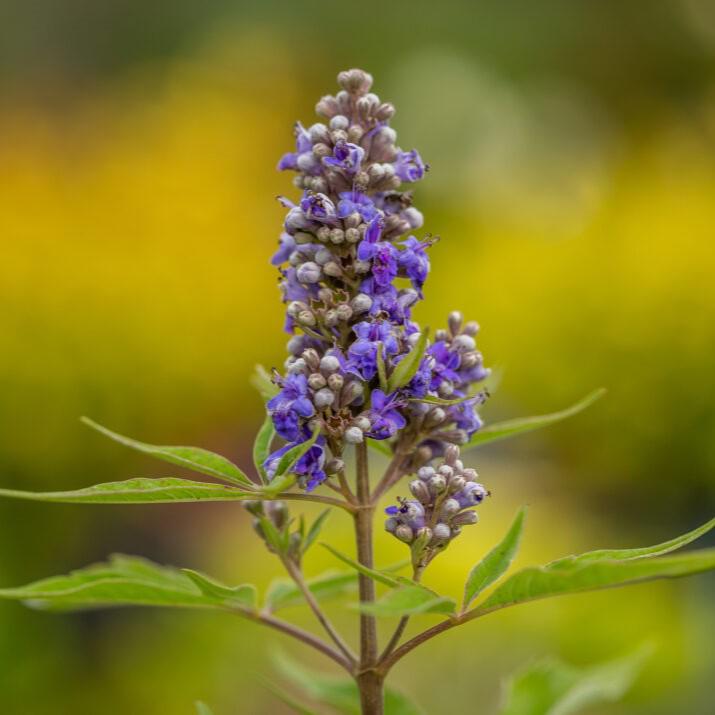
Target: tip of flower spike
(355, 81)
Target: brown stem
(297, 576)
(299, 634)
(369, 681)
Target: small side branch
(297, 576)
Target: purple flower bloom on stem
(318, 207)
(465, 416)
(383, 415)
(356, 202)
(309, 468)
(346, 156)
(409, 166)
(445, 365)
(384, 255)
(362, 354)
(290, 404)
(414, 262)
(287, 246)
(304, 148)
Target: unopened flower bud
(465, 518)
(420, 491)
(295, 307)
(471, 328)
(470, 359)
(339, 122)
(464, 343)
(455, 321)
(450, 507)
(337, 236)
(345, 312)
(470, 474)
(445, 389)
(391, 524)
(333, 269)
(323, 234)
(426, 473)
(362, 422)
(446, 471)
(297, 366)
(361, 266)
(329, 363)
(323, 256)
(324, 398)
(441, 533)
(327, 106)
(437, 484)
(361, 303)
(351, 392)
(355, 133)
(435, 417)
(353, 435)
(316, 381)
(456, 484)
(277, 512)
(308, 272)
(318, 132)
(404, 533)
(331, 318)
(451, 455)
(334, 465)
(352, 235)
(311, 358)
(335, 382)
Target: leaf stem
(297, 576)
(299, 634)
(395, 639)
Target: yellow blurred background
(572, 148)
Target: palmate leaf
(244, 595)
(535, 583)
(339, 693)
(511, 428)
(550, 687)
(138, 491)
(122, 581)
(496, 562)
(194, 458)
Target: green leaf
(283, 593)
(138, 491)
(339, 693)
(550, 687)
(314, 530)
(244, 595)
(123, 581)
(194, 458)
(407, 367)
(511, 428)
(429, 399)
(203, 709)
(628, 554)
(379, 576)
(542, 582)
(496, 562)
(262, 447)
(261, 380)
(409, 600)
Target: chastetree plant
(362, 376)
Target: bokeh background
(572, 147)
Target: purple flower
(355, 202)
(286, 247)
(346, 156)
(384, 255)
(318, 207)
(445, 365)
(465, 416)
(290, 404)
(413, 261)
(362, 354)
(409, 166)
(383, 415)
(302, 157)
(309, 468)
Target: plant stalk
(370, 682)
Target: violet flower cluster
(351, 272)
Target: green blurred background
(572, 147)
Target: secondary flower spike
(351, 271)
